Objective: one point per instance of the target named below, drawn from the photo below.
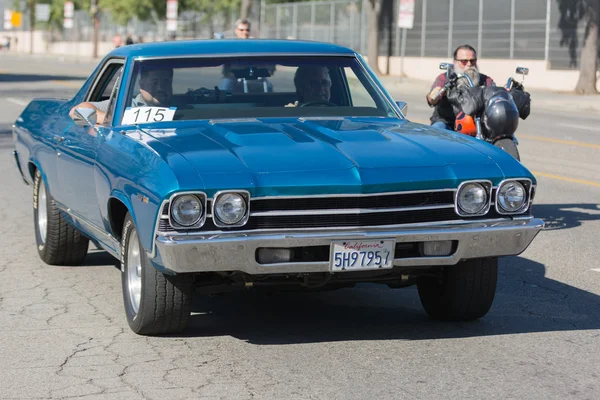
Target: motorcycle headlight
(230, 209)
(471, 199)
(511, 196)
(187, 210)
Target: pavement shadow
(565, 216)
(526, 302)
(38, 77)
(97, 258)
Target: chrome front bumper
(236, 251)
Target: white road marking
(17, 101)
(584, 127)
(595, 269)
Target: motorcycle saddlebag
(522, 100)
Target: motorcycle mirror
(446, 66)
(522, 71)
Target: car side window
(113, 95)
(104, 86)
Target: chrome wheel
(134, 272)
(42, 214)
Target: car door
(77, 149)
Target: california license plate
(361, 255)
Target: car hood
(328, 152)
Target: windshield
(251, 87)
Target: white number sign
(140, 115)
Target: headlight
(512, 196)
(187, 210)
(472, 198)
(230, 209)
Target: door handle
(59, 139)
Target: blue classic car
(254, 163)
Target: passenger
(313, 85)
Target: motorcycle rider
(465, 62)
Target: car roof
(224, 47)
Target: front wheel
(58, 242)
(155, 303)
(465, 291)
(509, 146)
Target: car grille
(343, 211)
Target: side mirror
(85, 116)
(522, 70)
(403, 107)
(446, 66)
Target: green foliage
(209, 7)
(122, 11)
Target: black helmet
(500, 116)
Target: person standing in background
(242, 29)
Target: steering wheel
(319, 102)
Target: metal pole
(423, 28)
(96, 26)
(312, 20)
(277, 20)
(480, 28)
(397, 44)
(261, 21)
(512, 29)
(364, 27)
(352, 30)
(332, 22)
(547, 41)
(295, 21)
(404, 30)
(450, 26)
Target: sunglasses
(243, 30)
(472, 61)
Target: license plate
(361, 255)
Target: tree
(373, 18)
(245, 8)
(572, 12)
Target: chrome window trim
(245, 194)
(202, 219)
(112, 60)
(526, 203)
(487, 184)
(244, 54)
(340, 211)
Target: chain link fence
(520, 29)
(523, 29)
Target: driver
(465, 62)
(156, 90)
(313, 84)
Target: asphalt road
(63, 333)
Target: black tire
(466, 292)
(509, 146)
(62, 243)
(164, 302)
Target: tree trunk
(245, 8)
(589, 56)
(374, 12)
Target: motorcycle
(487, 113)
